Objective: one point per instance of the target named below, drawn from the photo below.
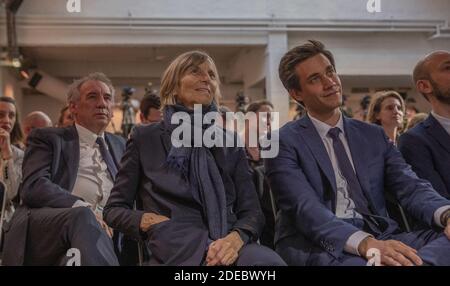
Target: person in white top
(11, 156)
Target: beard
(442, 95)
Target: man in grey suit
(68, 174)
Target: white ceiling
(125, 53)
(134, 65)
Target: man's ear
(141, 117)
(297, 96)
(73, 109)
(424, 86)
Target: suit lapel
(435, 129)
(71, 153)
(315, 144)
(356, 144)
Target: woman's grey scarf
(198, 166)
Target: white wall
(374, 53)
(298, 9)
(356, 9)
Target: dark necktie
(353, 186)
(107, 157)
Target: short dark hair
(150, 100)
(292, 58)
(255, 106)
(16, 135)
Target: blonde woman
(199, 205)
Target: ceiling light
(16, 62)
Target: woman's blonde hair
(377, 100)
(171, 77)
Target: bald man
(35, 119)
(427, 146)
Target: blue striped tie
(353, 186)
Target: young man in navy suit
(330, 177)
(426, 147)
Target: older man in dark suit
(427, 146)
(68, 174)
